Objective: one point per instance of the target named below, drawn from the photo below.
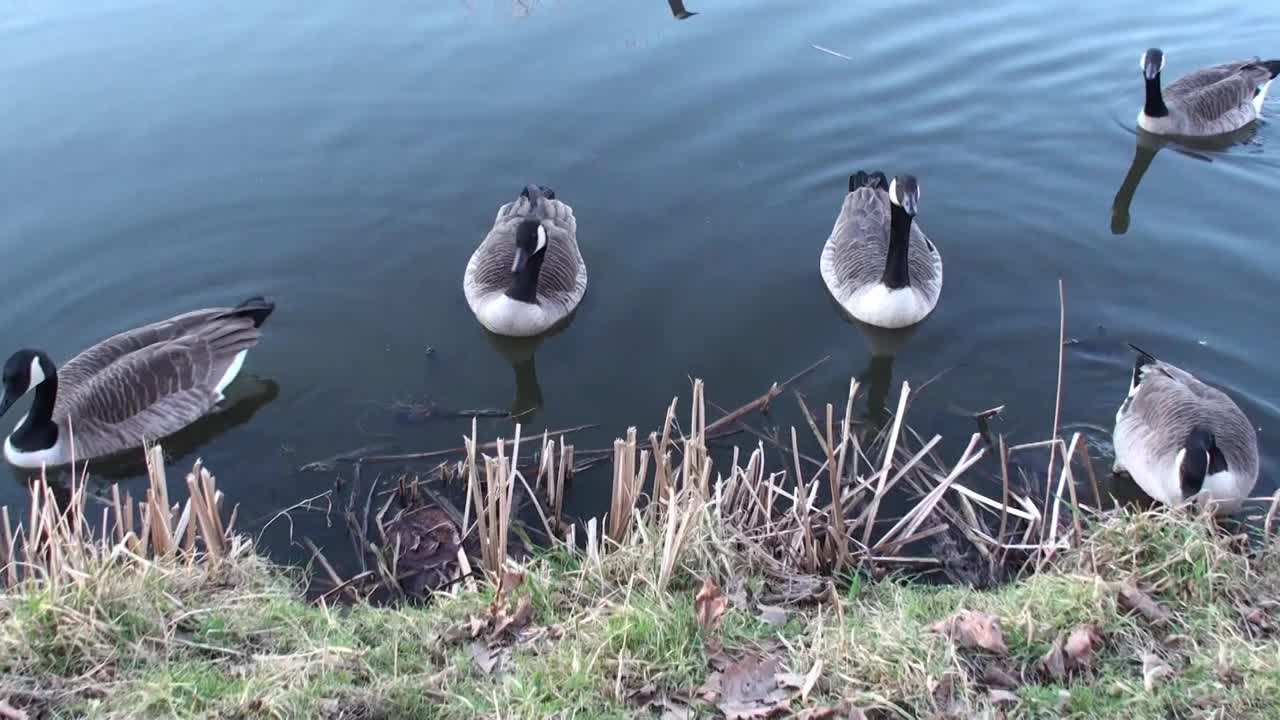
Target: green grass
(185, 642)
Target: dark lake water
(347, 157)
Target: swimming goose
(138, 386)
(1210, 101)
(878, 264)
(527, 275)
(1178, 438)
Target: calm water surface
(347, 157)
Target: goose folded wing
(1207, 104)
(1203, 78)
(151, 392)
(859, 242)
(490, 266)
(75, 374)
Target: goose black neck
(895, 266)
(524, 284)
(38, 431)
(1155, 99)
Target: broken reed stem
(1057, 400)
(59, 546)
(888, 463)
(1004, 503)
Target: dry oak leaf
(709, 605)
(750, 691)
(1153, 670)
(1135, 600)
(1073, 653)
(973, 629)
(772, 615)
(1082, 644)
(514, 621)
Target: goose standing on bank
(527, 275)
(878, 264)
(138, 386)
(1179, 438)
(1210, 101)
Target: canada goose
(1209, 101)
(877, 263)
(140, 385)
(1178, 438)
(527, 275)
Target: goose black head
(531, 241)
(1152, 63)
(1198, 458)
(531, 248)
(904, 191)
(23, 371)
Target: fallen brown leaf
(642, 696)
(1134, 600)
(716, 656)
(1153, 670)
(1054, 662)
(489, 660)
(1227, 675)
(996, 677)
(512, 578)
(1073, 653)
(709, 605)
(973, 629)
(676, 710)
(10, 712)
(804, 683)
(1257, 617)
(505, 621)
(709, 691)
(946, 698)
(1082, 644)
(772, 615)
(749, 690)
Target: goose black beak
(7, 403)
(517, 267)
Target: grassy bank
(1194, 639)
(743, 594)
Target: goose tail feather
(1144, 359)
(875, 180)
(257, 307)
(1272, 66)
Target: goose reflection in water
(1144, 152)
(520, 353)
(677, 10)
(245, 397)
(876, 380)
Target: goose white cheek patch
(37, 374)
(542, 238)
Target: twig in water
(331, 463)
(768, 397)
(831, 52)
(404, 457)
